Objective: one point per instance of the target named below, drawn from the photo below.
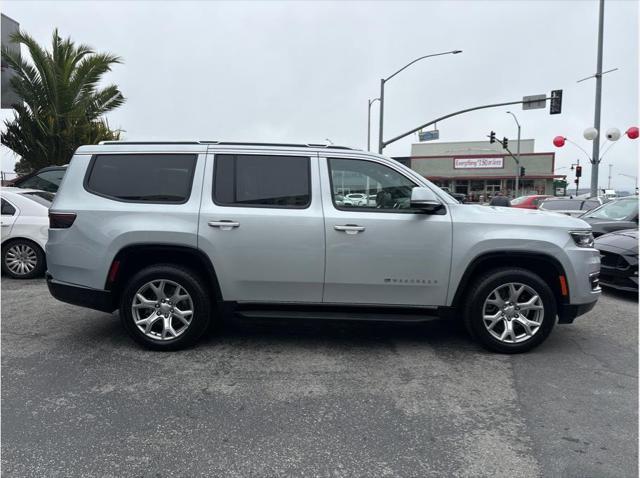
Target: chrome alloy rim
(21, 259)
(162, 309)
(513, 313)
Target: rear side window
(7, 209)
(262, 181)
(155, 178)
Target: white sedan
(25, 225)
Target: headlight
(582, 238)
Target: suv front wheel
(165, 307)
(510, 310)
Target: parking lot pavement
(79, 398)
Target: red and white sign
(478, 163)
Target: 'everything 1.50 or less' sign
(478, 163)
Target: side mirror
(424, 199)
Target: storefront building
(478, 168)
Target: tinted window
(588, 205)
(161, 178)
(7, 209)
(45, 181)
(261, 180)
(562, 205)
(384, 187)
(41, 197)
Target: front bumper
(96, 299)
(568, 312)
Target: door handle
(349, 228)
(224, 224)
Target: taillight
(61, 220)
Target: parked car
(461, 198)
(357, 199)
(24, 231)
(570, 207)
(167, 233)
(615, 215)
(619, 259)
(46, 179)
(528, 202)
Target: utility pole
(596, 121)
(369, 123)
(517, 155)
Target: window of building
(156, 178)
(262, 181)
(383, 187)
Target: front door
(381, 252)
(261, 224)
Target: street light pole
(517, 154)
(369, 123)
(596, 121)
(384, 80)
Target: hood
(523, 217)
(626, 240)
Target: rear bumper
(83, 296)
(568, 312)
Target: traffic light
(576, 180)
(521, 171)
(578, 171)
(505, 143)
(492, 137)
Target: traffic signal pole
(596, 121)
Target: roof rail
(231, 143)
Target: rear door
(385, 253)
(9, 215)
(261, 224)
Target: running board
(321, 313)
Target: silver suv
(171, 232)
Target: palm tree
(63, 106)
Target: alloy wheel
(513, 313)
(21, 259)
(162, 309)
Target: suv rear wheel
(510, 310)
(165, 307)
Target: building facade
(478, 168)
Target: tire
(174, 289)
(22, 259)
(490, 309)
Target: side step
(381, 314)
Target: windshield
(621, 210)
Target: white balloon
(590, 134)
(613, 134)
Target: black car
(619, 259)
(613, 216)
(45, 179)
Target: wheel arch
(132, 258)
(544, 265)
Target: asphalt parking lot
(333, 399)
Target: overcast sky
(303, 71)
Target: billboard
(469, 162)
(9, 27)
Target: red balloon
(633, 132)
(558, 141)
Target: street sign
(555, 106)
(429, 135)
(534, 102)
